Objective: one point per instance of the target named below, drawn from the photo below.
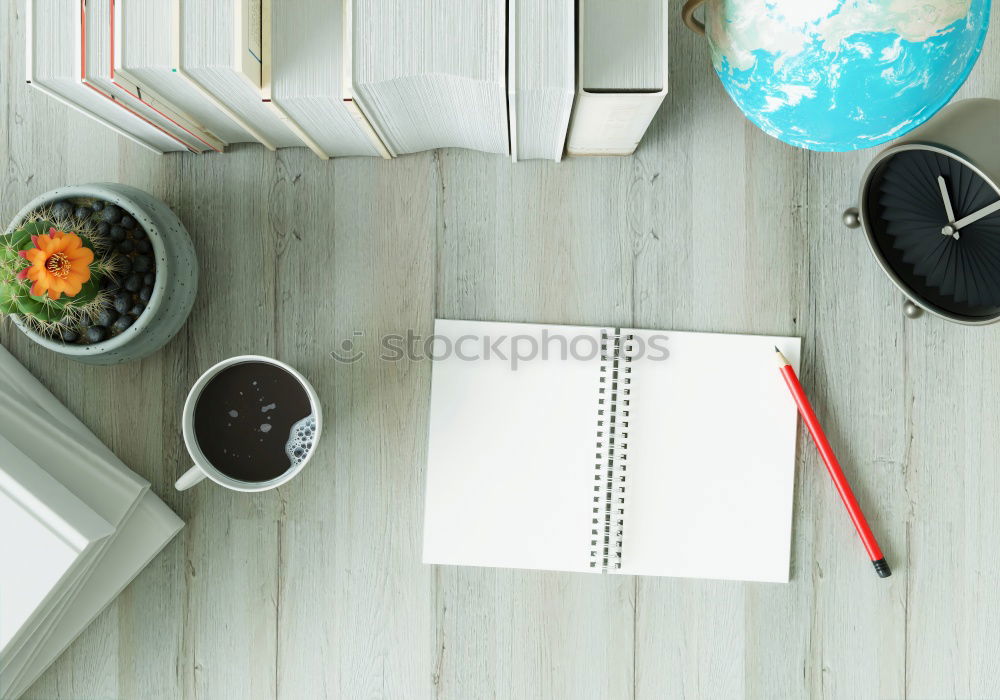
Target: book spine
(362, 121)
(610, 124)
(293, 126)
(512, 86)
(373, 122)
(264, 87)
(97, 118)
(208, 94)
(129, 85)
(611, 455)
(156, 103)
(30, 79)
(98, 90)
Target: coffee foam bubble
(301, 438)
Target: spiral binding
(611, 463)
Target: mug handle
(189, 478)
(687, 14)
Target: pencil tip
(782, 360)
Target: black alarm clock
(930, 208)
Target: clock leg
(851, 218)
(911, 310)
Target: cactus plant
(52, 314)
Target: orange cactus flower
(60, 264)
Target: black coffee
(253, 421)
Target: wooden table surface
(317, 590)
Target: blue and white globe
(837, 75)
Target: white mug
(202, 467)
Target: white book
(149, 529)
(219, 53)
(306, 76)
(541, 74)
(144, 39)
(96, 72)
(78, 461)
(98, 479)
(618, 450)
(432, 74)
(53, 65)
(622, 74)
(47, 533)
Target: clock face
(935, 221)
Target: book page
(711, 457)
(512, 446)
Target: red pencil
(833, 467)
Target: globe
(838, 75)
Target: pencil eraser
(881, 568)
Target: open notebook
(616, 450)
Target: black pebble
(134, 282)
(121, 324)
(123, 301)
(146, 293)
(126, 246)
(85, 322)
(143, 246)
(111, 214)
(69, 335)
(117, 232)
(106, 317)
(128, 222)
(148, 279)
(137, 309)
(138, 232)
(62, 210)
(97, 205)
(82, 213)
(96, 334)
(103, 228)
(141, 263)
(110, 285)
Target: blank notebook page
(710, 459)
(511, 452)
(707, 451)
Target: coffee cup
(250, 423)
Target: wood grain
(316, 590)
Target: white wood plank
(952, 382)
(368, 238)
(531, 242)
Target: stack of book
(528, 78)
(77, 527)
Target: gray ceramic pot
(174, 289)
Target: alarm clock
(930, 209)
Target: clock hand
(982, 213)
(950, 229)
(947, 200)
